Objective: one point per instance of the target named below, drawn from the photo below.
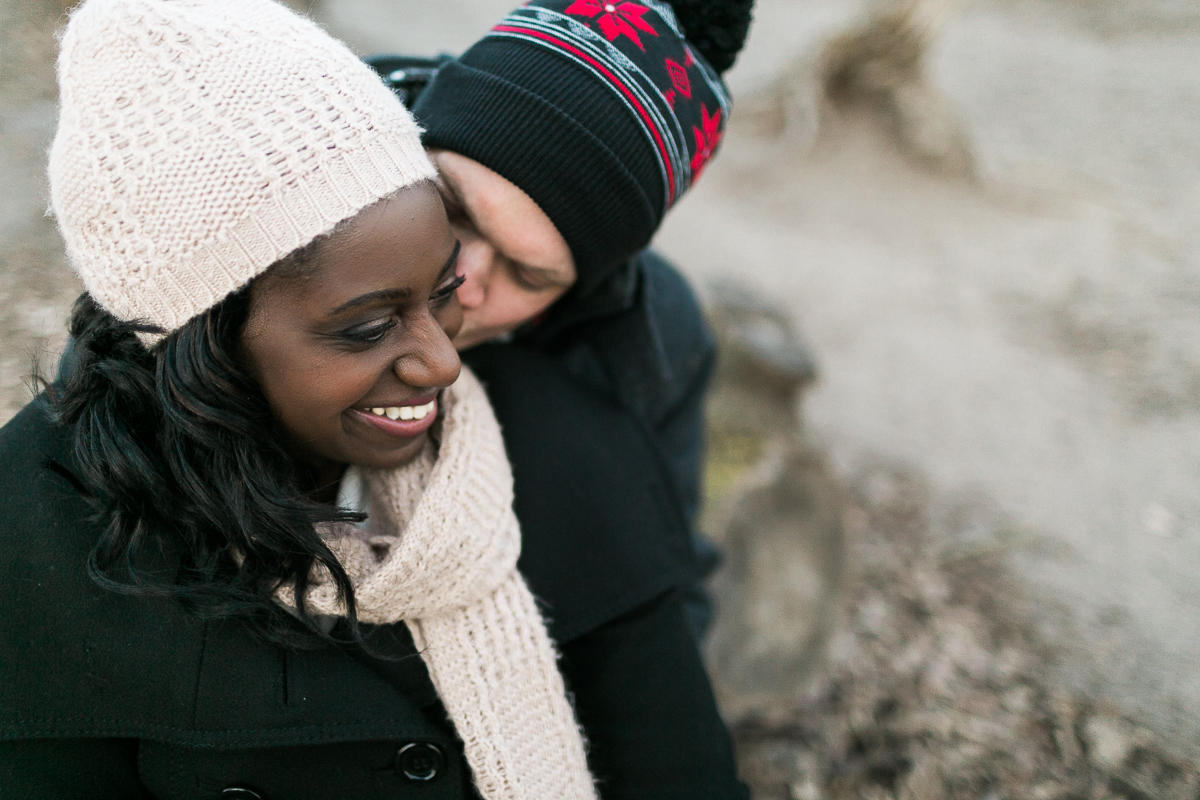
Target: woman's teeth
(405, 412)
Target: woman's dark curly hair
(186, 469)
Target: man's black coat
(602, 409)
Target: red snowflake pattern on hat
(707, 140)
(616, 19)
(679, 78)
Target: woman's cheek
(325, 386)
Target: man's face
(514, 260)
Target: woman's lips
(400, 427)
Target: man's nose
(476, 263)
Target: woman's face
(353, 348)
(515, 261)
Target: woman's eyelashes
(368, 334)
(445, 292)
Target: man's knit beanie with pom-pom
(603, 111)
(200, 141)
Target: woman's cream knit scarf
(440, 553)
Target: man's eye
(528, 280)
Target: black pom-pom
(717, 28)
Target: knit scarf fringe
(450, 574)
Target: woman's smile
(403, 421)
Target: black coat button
(420, 761)
(239, 793)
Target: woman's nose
(432, 362)
(476, 263)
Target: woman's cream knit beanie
(200, 141)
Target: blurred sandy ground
(1013, 321)
(1029, 342)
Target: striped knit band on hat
(200, 141)
(602, 112)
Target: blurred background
(952, 250)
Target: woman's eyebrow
(381, 296)
(394, 295)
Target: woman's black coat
(104, 695)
